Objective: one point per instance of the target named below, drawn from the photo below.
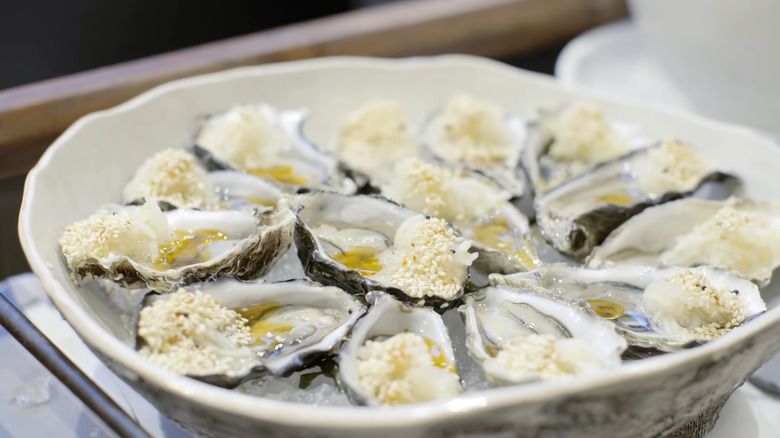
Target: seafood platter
(431, 246)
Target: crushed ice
(321, 391)
(35, 393)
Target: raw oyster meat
(141, 246)
(238, 190)
(564, 143)
(374, 138)
(577, 215)
(479, 134)
(662, 309)
(519, 336)
(228, 331)
(266, 142)
(398, 354)
(475, 204)
(363, 243)
(740, 235)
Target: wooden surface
(32, 116)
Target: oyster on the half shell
(520, 336)
(364, 243)
(142, 246)
(740, 235)
(564, 143)
(474, 203)
(228, 331)
(266, 142)
(664, 309)
(373, 139)
(175, 177)
(478, 134)
(398, 354)
(577, 215)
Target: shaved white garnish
(744, 242)
(428, 259)
(582, 133)
(190, 333)
(689, 303)
(402, 370)
(443, 192)
(245, 136)
(546, 357)
(375, 137)
(172, 175)
(474, 131)
(137, 234)
(672, 167)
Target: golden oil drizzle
(621, 198)
(265, 202)
(606, 309)
(284, 174)
(360, 258)
(188, 248)
(260, 327)
(496, 233)
(439, 358)
(261, 201)
(491, 350)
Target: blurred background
(42, 39)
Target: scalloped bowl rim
(100, 339)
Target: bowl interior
(89, 164)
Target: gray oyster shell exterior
(250, 259)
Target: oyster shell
(141, 246)
(474, 203)
(577, 215)
(373, 138)
(264, 141)
(398, 354)
(229, 331)
(364, 243)
(480, 135)
(663, 309)
(740, 235)
(564, 143)
(519, 336)
(192, 334)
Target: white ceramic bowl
(673, 395)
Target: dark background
(41, 39)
